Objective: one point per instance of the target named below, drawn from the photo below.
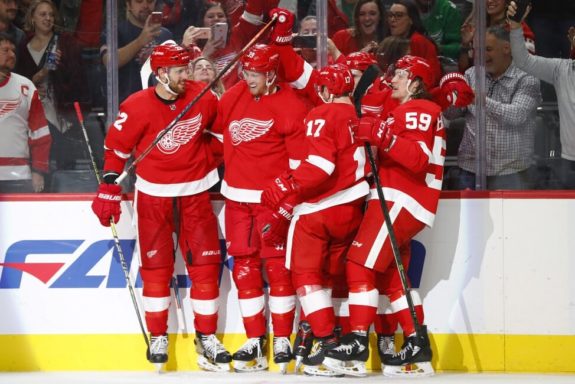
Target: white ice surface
(264, 378)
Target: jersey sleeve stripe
(303, 80)
(40, 132)
(320, 162)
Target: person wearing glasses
(403, 20)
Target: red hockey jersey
(411, 172)
(263, 137)
(181, 163)
(334, 170)
(24, 135)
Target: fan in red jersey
(411, 152)
(171, 196)
(263, 136)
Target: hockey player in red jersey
(171, 196)
(329, 189)
(411, 152)
(263, 136)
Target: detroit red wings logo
(248, 129)
(180, 134)
(7, 106)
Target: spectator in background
(442, 21)
(561, 74)
(8, 13)
(336, 19)
(347, 7)
(495, 16)
(222, 51)
(137, 36)
(25, 138)
(404, 21)
(511, 106)
(203, 69)
(369, 28)
(59, 86)
(85, 19)
(549, 20)
(308, 27)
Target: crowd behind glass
(81, 76)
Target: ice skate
(302, 343)
(385, 347)
(212, 356)
(349, 356)
(251, 356)
(282, 353)
(313, 362)
(414, 358)
(157, 352)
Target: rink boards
(495, 273)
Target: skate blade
(206, 365)
(282, 367)
(256, 365)
(159, 367)
(423, 369)
(351, 368)
(320, 370)
(298, 364)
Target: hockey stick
(113, 227)
(364, 82)
(392, 239)
(195, 100)
(367, 78)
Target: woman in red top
(369, 29)
(404, 21)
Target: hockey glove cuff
(374, 131)
(455, 91)
(282, 187)
(106, 204)
(275, 231)
(282, 31)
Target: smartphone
(304, 41)
(156, 18)
(220, 32)
(521, 8)
(203, 33)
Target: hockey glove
(282, 31)
(106, 204)
(373, 130)
(282, 187)
(455, 91)
(274, 232)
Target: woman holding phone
(214, 36)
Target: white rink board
(492, 266)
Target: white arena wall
(497, 282)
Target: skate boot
(302, 343)
(414, 359)
(157, 352)
(251, 356)
(349, 356)
(212, 356)
(282, 353)
(313, 362)
(385, 347)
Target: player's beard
(178, 87)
